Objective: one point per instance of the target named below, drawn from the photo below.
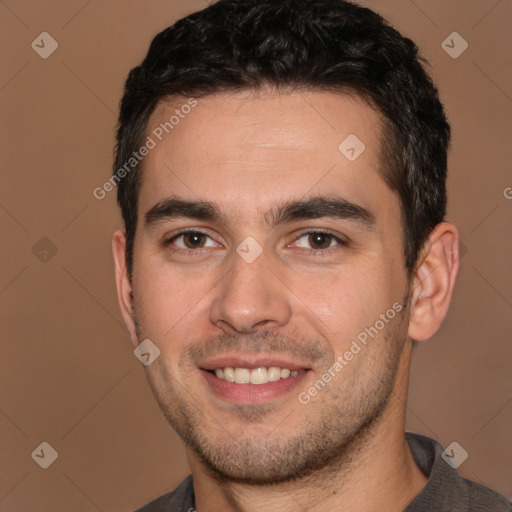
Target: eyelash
(311, 252)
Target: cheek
(340, 305)
(167, 299)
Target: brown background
(68, 374)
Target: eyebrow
(333, 207)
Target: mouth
(252, 382)
(257, 376)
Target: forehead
(250, 150)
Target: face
(269, 271)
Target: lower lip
(252, 393)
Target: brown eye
(193, 240)
(320, 240)
(190, 240)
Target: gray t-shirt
(445, 491)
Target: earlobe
(433, 281)
(123, 285)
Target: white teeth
(229, 374)
(259, 375)
(274, 373)
(242, 376)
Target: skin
(248, 153)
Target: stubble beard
(333, 427)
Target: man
(281, 167)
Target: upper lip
(250, 362)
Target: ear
(123, 285)
(433, 281)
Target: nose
(249, 297)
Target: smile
(256, 376)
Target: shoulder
(483, 499)
(179, 500)
(446, 489)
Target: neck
(377, 472)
